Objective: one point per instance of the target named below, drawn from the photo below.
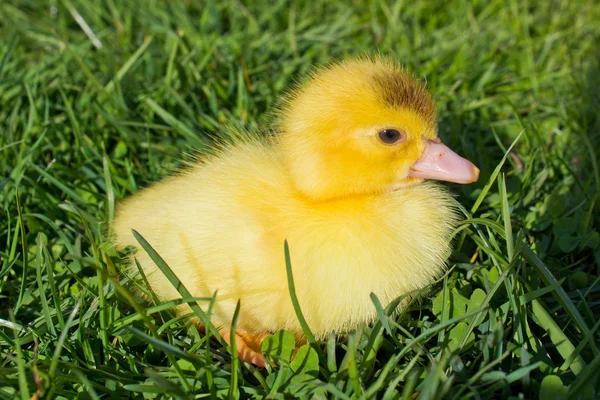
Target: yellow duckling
(342, 182)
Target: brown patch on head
(399, 89)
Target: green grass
(88, 119)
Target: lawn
(99, 99)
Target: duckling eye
(390, 136)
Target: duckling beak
(441, 163)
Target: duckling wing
(213, 225)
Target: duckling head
(364, 127)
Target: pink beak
(439, 162)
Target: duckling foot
(248, 350)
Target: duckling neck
(319, 178)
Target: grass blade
(560, 294)
(42, 290)
(494, 175)
(7, 54)
(177, 284)
(128, 64)
(86, 384)
(64, 188)
(233, 387)
(174, 123)
(561, 341)
(353, 365)
(110, 194)
(292, 288)
(585, 379)
(24, 250)
(383, 318)
(508, 234)
(62, 338)
(23, 387)
(167, 348)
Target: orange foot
(248, 347)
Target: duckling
(346, 181)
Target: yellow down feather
(355, 222)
